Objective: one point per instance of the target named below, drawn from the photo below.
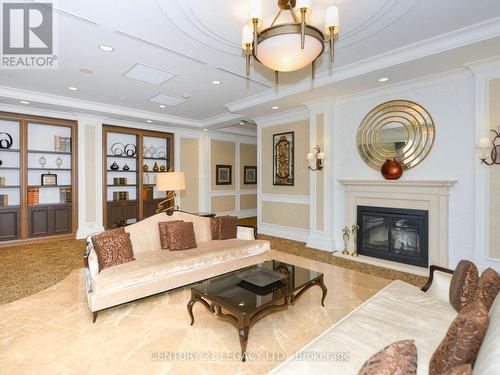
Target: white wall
(450, 101)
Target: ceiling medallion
(288, 47)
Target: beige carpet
(28, 269)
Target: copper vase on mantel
(392, 169)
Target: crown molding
(298, 114)
(485, 66)
(221, 119)
(79, 105)
(437, 44)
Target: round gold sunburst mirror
(398, 129)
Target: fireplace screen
(399, 235)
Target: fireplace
(399, 235)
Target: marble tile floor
(51, 332)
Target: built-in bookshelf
(130, 194)
(37, 177)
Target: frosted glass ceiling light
(289, 46)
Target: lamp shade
(310, 156)
(332, 19)
(321, 156)
(301, 4)
(246, 36)
(170, 181)
(255, 11)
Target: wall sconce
(318, 156)
(484, 145)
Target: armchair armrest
(246, 232)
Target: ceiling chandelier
(288, 47)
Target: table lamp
(169, 182)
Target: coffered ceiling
(190, 43)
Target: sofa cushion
(162, 227)
(463, 339)
(158, 264)
(398, 312)
(398, 358)
(460, 370)
(144, 235)
(180, 236)
(463, 284)
(112, 247)
(488, 287)
(488, 358)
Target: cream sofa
(155, 270)
(399, 311)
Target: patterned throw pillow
(488, 287)
(112, 247)
(460, 370)
(398, 358)
(463, 284)
(224, 227)
(180, 236)
(462, 341)
(162, 226)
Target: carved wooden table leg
(243, 330)
(195, 297)
(321, 284)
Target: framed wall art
(250, 175)
(223, 174)
(283, 159)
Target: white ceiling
(198, 41)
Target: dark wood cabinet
(121, 211)
(46, 220)
(9, 224)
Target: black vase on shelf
(114, 167)
(126, 167)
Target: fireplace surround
(395, 234)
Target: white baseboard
(283, 232)
(247, 213)
(86, 230)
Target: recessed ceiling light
(162, 105)
(242, 122)
(383, 79)
(72, 88)
(186, 96)
(275, 107)
(150, 121)
(106, 48)
(215, 82)
(205, 130)
(24, 102)
(86, 71)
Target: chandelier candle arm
(331, 42)
(303, 5)
(246, 44)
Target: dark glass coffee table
(242, 303)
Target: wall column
(89, 176)
(322, 183)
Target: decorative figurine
(126, 167)
(163, 168)
(345, 236)
(114, 166)
(354, 231)
(42, 161)
(59, 162)
(145, 168)
(155, 167)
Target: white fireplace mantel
(430, 195)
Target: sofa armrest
(91, 264)
(246, 232)
(438, 284)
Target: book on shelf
(64, 195)
(120, 196)
(119, 181)
(147, 193)
(33, 196)
(4, 200)
(62, 144)
(2, 181)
